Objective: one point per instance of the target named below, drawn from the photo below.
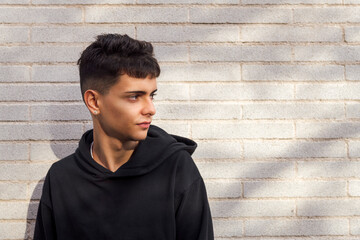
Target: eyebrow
(141, 92)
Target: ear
(91, 98)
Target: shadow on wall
(32, 210)
(56, 148)
(310, 209)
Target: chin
(141, 136)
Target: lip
(144, 124)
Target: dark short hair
(112, 55)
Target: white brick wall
(268, 88)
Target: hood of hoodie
(148, 155)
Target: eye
(152, 96)
(133, 97)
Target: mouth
(144, 125)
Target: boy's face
(126, 110)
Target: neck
(111, 152)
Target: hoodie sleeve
(45, 224)
(193, 217)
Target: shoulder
(63, 165)
(185, 163)
(179, 150)
(186, 171)
(54, 176)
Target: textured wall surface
(268, 88)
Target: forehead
(127, 83)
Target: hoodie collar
(148, 155)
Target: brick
(200, 72)
(240, 53)
(293, 72)
(40, 92)
(268, 169)
(328, 91)
(301, 227)
(177, 128)
(188, 33)
(23, 172)
(14, 74)
(40, 131)
(13, 210)
(218, 91)
(82, 2)
(354, 188)
(351, 34)
(326, 53)
(294, 189)
(328, 207)
(172, 53)
(290, 34)
(40, 15)
(14, 34)
(57, 112)
(12, 230)
(321, 15)
(39, 54)
(13, 191)
(193, 111)
(14, 112)
(55, 73)
(14, 1)
(51, 151)
(351, 1)
(355, 226)
(136, 14)
(293, 111)
(291, 1)
(173, 92)
(227, 228)
(88, 126)
(352, 72)
(76, 34)
(242, 130)
(13, 151)
(328, 130)
(354, 149)
(239, 15)
(328, 169)
(223, 189)
(35, 191)
(294, 149)
(218, 150)
(353, 110)
(189, 1)
(252, 208)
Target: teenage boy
(127, 179)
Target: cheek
(111, 112)
(124, 113)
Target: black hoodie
(157, 194)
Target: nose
(149, 108)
